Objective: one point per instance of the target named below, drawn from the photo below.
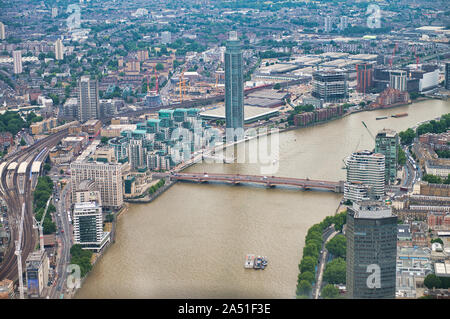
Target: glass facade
(371, 255)
(234, 85)
(88, 228)
(386, 143)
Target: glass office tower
(234, 87)
(371, 232)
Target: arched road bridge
(269, 181)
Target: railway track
(14, 200)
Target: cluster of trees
(407, 137)
(330, 292)
(42, 193)
(157, 186)
(304, 22)
(435, 126)
(443, 153)
(337, 246)
(311, 251)
(335, 271)
(401, 157)
(354, 30)
(437, 240)
(433, 179)
(415, 95)
(7, 80)
(81, 258)
(432, 281)
(11, 122)
(270, 54)
(297, 110)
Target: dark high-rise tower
(371, 233)
(447, 75)
(234, 85)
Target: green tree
(308, 263)
(47, 167)
(335, 271)
(432, 179)
(437, 240)
(401, 156)
(432, 281)
(277, 86)
(159, 67)
(304, 288)
(329, 292)
(308, 276)
(407, 136)
(337, 246)
(22, 142)
(311, 250)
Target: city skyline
(224, 150)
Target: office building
(397, 80)
(107, 178)
(59, 50)
(2, 31)
(17, 59)
(328, 24)
(386, 143)
(371, 231)
(343, 24)
(37, 266)
(88, 226)
(447, 75)
(330, 86)
(364, 77)
(166, 37)
(88, 101)
(367, 168)
(234, 85)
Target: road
(63, 205)
(266, 180)
(328, 234)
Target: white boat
(249, 261)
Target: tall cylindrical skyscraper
(234, 86)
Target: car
(62, 231)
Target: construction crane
(393, 55)
(182, 86)
(18, 252)
(356, 148)
(40, 224)
(373, 137)
(417, 58)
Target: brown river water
(191, 242)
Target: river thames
(191, 242)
